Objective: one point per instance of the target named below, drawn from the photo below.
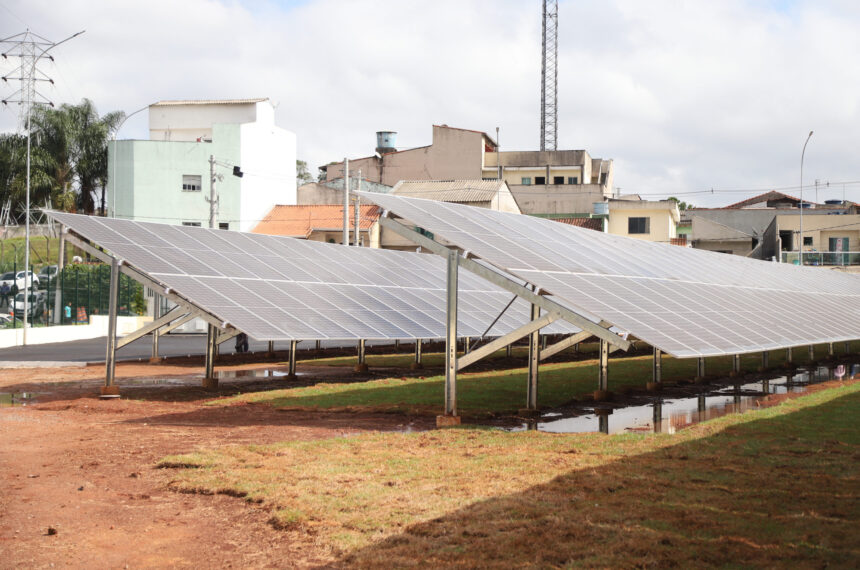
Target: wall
(268, 159)
(663, 219)
(557, 199)
(819, 228)
(97, 327)
(188, 122)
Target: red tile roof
(766, 197)
(300, 221)
(588, 223)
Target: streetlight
(800, 240)
(113, 178)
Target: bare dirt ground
(77, 482)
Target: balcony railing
(824, 258)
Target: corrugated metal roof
(460, 191)
(301, 221)
(209, 102)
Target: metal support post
(700, 368)
(657, 368)
(467, 345)
(451, 336)
(361, 366)
(765, 386)
(417, 364)
(543, 342)
(345, 201)
(509, 350)
(318, 345)
(789, 357)
(603, 377)
(811, 353)
(847, 347)
(292, 371)
(156, 314)
(271, 350)
(831, 352)
(209, 379)
(765, 360)
(736, 365)
(58, 290)
(534, 361)
(110, 388)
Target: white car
(35, 305)
(17, 279)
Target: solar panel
(684, 301)
(280, 288)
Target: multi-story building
(542, 182)
(167, 178)
(650, 220)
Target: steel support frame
(567, 342)
(292, 361)
(700, 367)
(418, 352)
(506, 340)
(451, 336)
(603, 372)
(110, 357)
(657, 366)
(159, 322)
(534, 362)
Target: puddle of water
(258, 373)
(668, 415)
(9, 400)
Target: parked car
(46, 275)
(17, 279)
(5, 319)
(35, 304)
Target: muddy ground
(78, 487)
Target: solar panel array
(686, 302)
(280, 288)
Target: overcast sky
(685, 96)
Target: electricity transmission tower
(29, 48)
(549, 77)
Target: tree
(681, 205)
(303, 175)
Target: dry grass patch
(777, 486)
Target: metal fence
(83, 290)
(829, 258)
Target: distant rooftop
(460, 191)
(301, 221)
(170, 103)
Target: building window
(526, 181)
(558, 179)
(493, 178)
(807, 240)
(638, 225)
(192, 183)
(540, 180)
(223, 225)
(573, 180)
(603, 176)
(191, 224)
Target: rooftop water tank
(834, 202)
(601, 208)
(386, 141)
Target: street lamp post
(800, 238)
(115, 157)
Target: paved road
(93, 350)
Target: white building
(166, 179)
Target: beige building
(827, 240)
(542, 182)
(651, 220)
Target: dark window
(192, 183)
(638, 225)
(573, 180)
(540, 180)
(223, 226)
(526, 181)
(191, 224)
(807, 240)
(603, 178)
(558, 179)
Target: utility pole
(213, 197)
(816, 190)
(549, 77)
(345, 201)
(357, 210)
(29, 48)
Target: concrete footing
(447, 421)
(362, 367)
(156, 360)
(602, 395)
(528, 413)
(416, 366)
(210, 383)
(653, 386)
(289, 377)
(112, 390)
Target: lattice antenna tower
(549, 77)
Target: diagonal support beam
(568, 342)
(505, 283)
(503, 341)
(174, 313)
(224, 337)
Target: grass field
(774, 487)
(485, 393)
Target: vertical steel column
(292, 370)
(847, 347)
(831, 352)
(271, 349)
(657, 368)
(543, 342)
(156, 312)
(361, 366)
(789, 356)
(811, 353)
(603, 377)
(318, 345)
(700, 368)
(417, 364)
(534, 361)
(509, 350)
(467, 345)
(765, 386)
(110, 388)
(736, 364)
(451, 336)
(209, 380)
(765, 358)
